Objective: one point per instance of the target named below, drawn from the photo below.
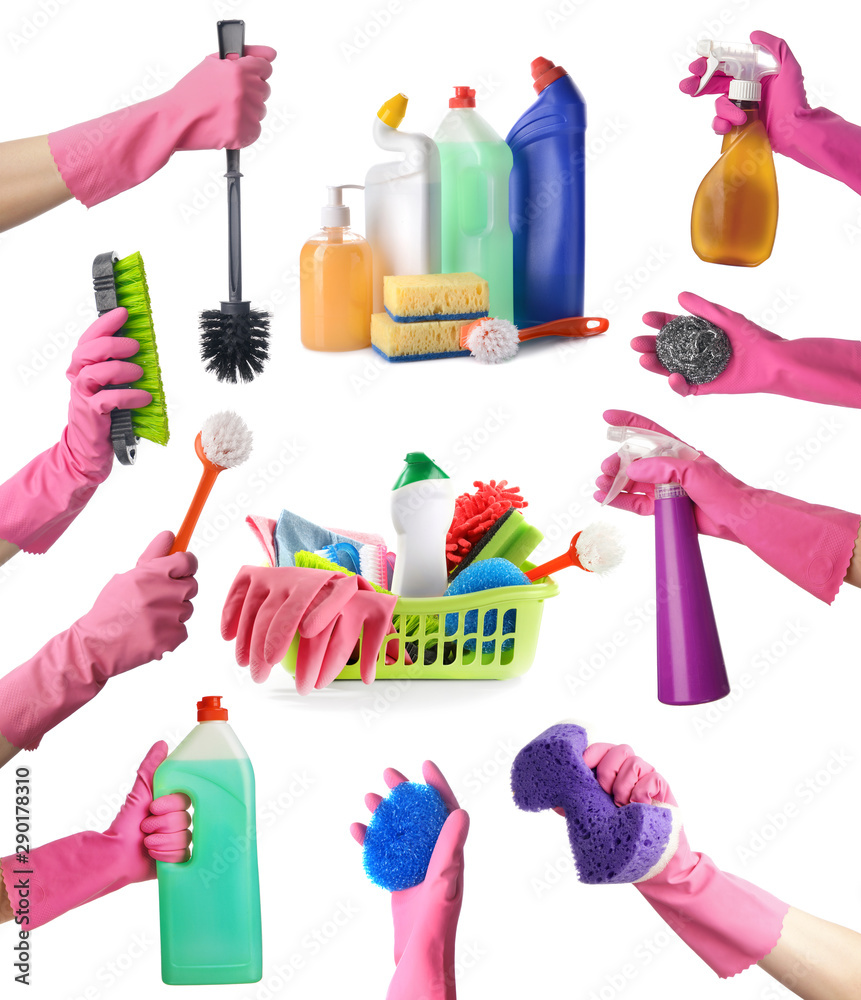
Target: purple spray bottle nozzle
(691, 669)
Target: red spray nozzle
(464, 97)
(544, 72)
(209, 709)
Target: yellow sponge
(415, 341)
(414, 298)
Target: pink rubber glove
(425, 917)
(218, 105)
(729, 923)
(813, 137)
(809, 544)
(138, 616)
(325, 648)
(818, 369)
(41, 501)
(54, 879)
(266, 605)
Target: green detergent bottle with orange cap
(209, 906)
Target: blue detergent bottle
(546, 200)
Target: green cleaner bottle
(210, 905)
(476, 236)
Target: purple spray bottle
(691, 669)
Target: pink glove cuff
(730, 923)
(105, 156)
(34, 511)
(45, 690)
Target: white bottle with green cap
(422, 511)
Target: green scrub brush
(123, 283)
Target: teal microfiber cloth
(296, 534)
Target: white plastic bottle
(422, 511)
(402, 201)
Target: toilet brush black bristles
(234, 340)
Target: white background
(330, 434)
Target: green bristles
(149, 422)
(310, 560)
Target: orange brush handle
(569, 558)
(573, 326)
(204, 488)
(560, 562)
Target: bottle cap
(393, 111)
(745, 90)
(418, 468)
(464, 97)
(336, 214)
(209, 709)
(544, 72)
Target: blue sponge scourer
(402, 834)
(486, 574)
(610, 843)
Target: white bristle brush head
(599, 548)
(226, 439)
(493, 340)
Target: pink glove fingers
(174, 802)
(358, 831)
(103, 327)
(309, 659)
(89, 352)
(328, 603)
(101, 373)
(393, 777)
(372, 801)
(434, 777)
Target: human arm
(810, 544)
(815, 137)
(137, 617)
(41, 884)
(816, 369)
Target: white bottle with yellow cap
(402, 201)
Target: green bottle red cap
(418, 468)
(209, 709)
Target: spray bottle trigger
(712, 63)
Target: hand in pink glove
(818, 369)
(41, 501)
(809, 544)
(729, 923)
(266, 605)
(138, 616)
(425, 917)
(218, 105)
(66, 873)
(814, 137)
(325, 647)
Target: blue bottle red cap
(544, 72)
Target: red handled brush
(595, 549)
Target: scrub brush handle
(123, 436)
(573, 326)
(204, 488)
(231, 40)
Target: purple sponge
(610, 843)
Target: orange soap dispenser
(734, 218)
(335, 282)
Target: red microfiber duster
(475, 513)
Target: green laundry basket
(505, 649)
